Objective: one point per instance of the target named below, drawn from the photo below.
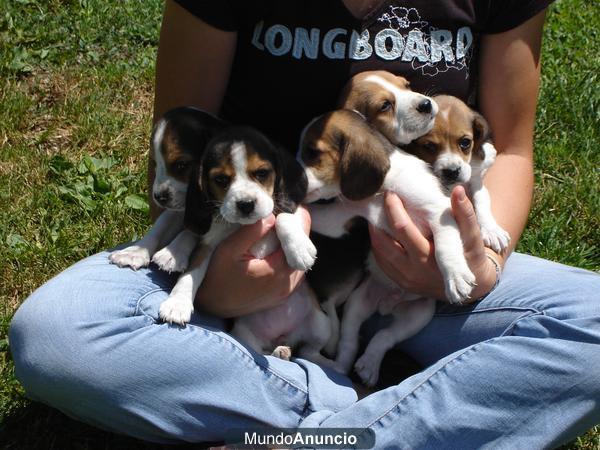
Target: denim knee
(90, 343)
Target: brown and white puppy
(386, 102)
(243, 178)
(177, 143)
(346, 157)
(459, 150)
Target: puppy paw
(459, 285)
(300, 252)
(367, 368)
(134, 257)
(495, 237)
(176, 309)
(170, 262)
(282, 352)
(343, 361)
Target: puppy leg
(297, 246)
(282, 352)
(175, 256)
(493, 235)
(409, 318)
(168, 224)
(449, 254)
(179, 306)
(242, 332)
(330, 348)
(313, 337)
(357, 309)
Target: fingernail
(268, 221)
(461, 194)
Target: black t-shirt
(294, 56)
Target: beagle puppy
(404, 114)
(177, 143)
(243, 177)
(346, 158)
(458, 147)
(459, 150)
(387, 103)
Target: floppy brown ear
(198, 207)
(291, 183)
(351, 99)
(364, 162)
(481, 134)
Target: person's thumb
(465, 216)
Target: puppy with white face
(400, 114)
(459, 150)
(345, 156)
(177, 143)
(243, 178)
(238, 178)
(455, 143)
(388, 104)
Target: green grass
(75, 107)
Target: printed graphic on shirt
(405, 36)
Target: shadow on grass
(39, 427)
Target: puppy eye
(311, 153)
(181, 166)
(261, 174)
(464, 143)
(222, 180)
(430, 147)
(407, 85)
(385, 106)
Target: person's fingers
(465, 216)
(282, 279)
(403, 228)
(383, 243)
(273, 264)
(248, 235)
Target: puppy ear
(198, 207)
(364, 162)
(352, 100)
(291, 183)
(481, 134)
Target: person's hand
(408, 257)
(237, 283)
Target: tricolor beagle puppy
(177, 143)
(346, 157)
(459, 150)
(406, 115)
(243, 178)
(458, 147)
(389, 105)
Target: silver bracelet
(498, 270)
(498, 273)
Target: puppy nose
(161, 196)
(451, 174)
(424, 107)
(245, 206)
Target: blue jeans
(520, 369)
